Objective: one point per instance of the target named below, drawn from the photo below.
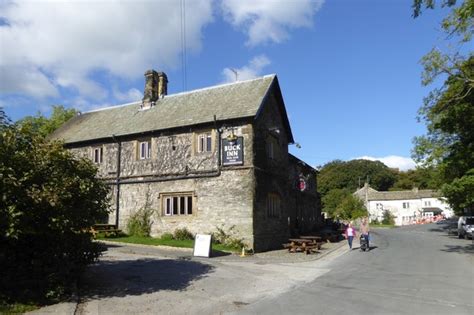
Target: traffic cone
(243, 252)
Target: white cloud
(131, 95)
(250, 71)
(60, 44)
(393, 161)
(269, 20)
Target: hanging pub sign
(233, 151)
(302, 184)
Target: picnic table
(317, 240)
(106, 229)
(302, 245)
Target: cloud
(54, 45)
(250, 71)
(393, 161)
(132, 95)
(269, 20)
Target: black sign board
(233, 151)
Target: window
(272, 146)
(205, 142)
(97, 155)
(406, 205)
(379, 206)
(180, 204)
(273, 205)
(145, 150)
(427, 203)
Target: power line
(183, 43)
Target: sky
(349, 70)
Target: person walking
(350, 234)
(365, 230)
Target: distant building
(209, 159)
(406, 206)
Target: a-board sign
(233, 151)
(202, 245)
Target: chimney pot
(156, 86)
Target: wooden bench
(316, 240)
(300, 245)
(106, 229)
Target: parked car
(465, 227)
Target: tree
(421, 177)
(347, 175)
(44, 126)
(351, 208)
(448, 111)
(49, 200)
(332, 199)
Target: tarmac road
(411, 270)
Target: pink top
(350, 231)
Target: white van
(465, 227)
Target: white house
(406, 206)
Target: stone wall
(223, 196)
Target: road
(410, 270)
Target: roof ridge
(185, 93)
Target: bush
(139, 224)
(49, 201)
(223, 237)
(183, 234)
(388, 218)
(167, 237)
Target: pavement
(142, 279)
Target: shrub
(167, 237)
(223, 237)
(183, 234)
(388, 218)
(139, 224)
(49, 200)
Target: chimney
(162, 84)
(156, 86)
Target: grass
(16, 308)
(165, 242)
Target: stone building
(406, 206)
(205, 159)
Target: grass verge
(16, 308)
(165, 242)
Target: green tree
(448, 111)
(388, 218)
(49, 199)
(347, 175)
(44, 126)
(351, 208)
(421, 177)
(332, 199)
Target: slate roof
(373, 195)
(229, 101)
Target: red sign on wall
(302, 184)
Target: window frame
(144, 149)
(204, 142)
(271, 147)
(177, 204)
(273, 209)
(97, 155)
(406, 205)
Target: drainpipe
(117, 181)
(219, 136)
